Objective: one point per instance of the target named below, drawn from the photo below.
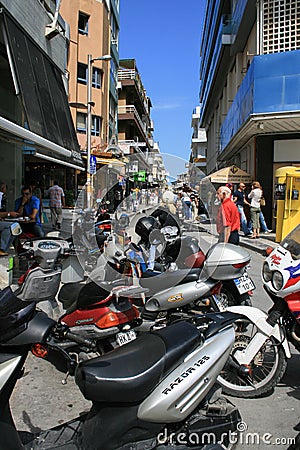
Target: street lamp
(90, 103)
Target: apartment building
(250, 85)
(94, 34)
(37, 137)
(135, 126)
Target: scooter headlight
(277, 280)
(267, 272)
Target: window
(97, 78)
(82, 73)
(83, 23)
(81, 122)
(96, 125)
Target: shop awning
(38, 146)
(114, 161)
(232, 174)
(39, 84)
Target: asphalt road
(40, 400)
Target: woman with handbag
(255, 196)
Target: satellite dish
(168, 197)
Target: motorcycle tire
(231, 296)
(268, 366)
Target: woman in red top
(228, 217)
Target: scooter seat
(166, 280)
(81, 295)
(129, 373)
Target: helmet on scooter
(145, 225)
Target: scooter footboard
(113, 425)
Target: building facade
(135, 126)
(94, 31)
(198, 149)
(37, 137)
(249, 92)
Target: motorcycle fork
(265, 331)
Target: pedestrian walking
(228, 217)
(240, 201)
(187, 205)
(230, 186)
(255, 196)
(28, 206)
(57, 201)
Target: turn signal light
(39, 351)
(216, 289)
(109, 319)
(268, 251)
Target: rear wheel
(231, 296)
(266, 369)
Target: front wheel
(266, 369)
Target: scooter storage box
(225, 261)
(39, 285)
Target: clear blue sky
(164, 36)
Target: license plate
(244, 284)
(124, 338)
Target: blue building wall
(271, 85)
(216, 25)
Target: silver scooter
(155, 392)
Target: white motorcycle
(261, 347)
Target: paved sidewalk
(259, 245)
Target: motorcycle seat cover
(167, 280)
(80, 295)
(129, 373)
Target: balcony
(131, 113)
(129, 77)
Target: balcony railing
(131, 109)
(132, 74)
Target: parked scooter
(183, 293)
(171, 260)
(102, 315)
(154, 393)
(262, 340)
(105, 314)
(180, 252)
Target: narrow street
(41, 401)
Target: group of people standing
(29, 206)
(231, 215)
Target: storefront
(38, 141)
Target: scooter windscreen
(144, 197)
(292, 243)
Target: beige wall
(95, 43)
